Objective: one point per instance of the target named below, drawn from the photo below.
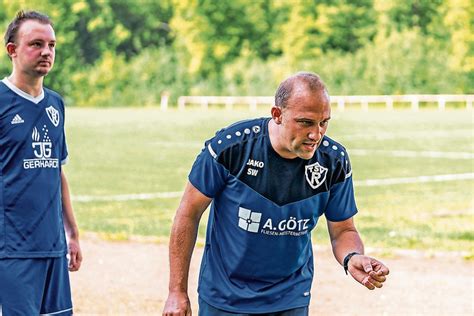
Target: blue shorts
(35, 286)
(208, 310)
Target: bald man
(269, 180)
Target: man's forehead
(33, 29)
(305, 98)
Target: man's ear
(11, 49)
(276, 114)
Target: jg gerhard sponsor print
(42, 145)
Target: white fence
(341, 101)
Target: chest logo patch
(53, 115)
(315, 174)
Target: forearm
(346, 242)
(70, 224)
(344, 239)
(182, 241)
(183, 236)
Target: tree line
(129, 52)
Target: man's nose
(315, 133)
(46, 50)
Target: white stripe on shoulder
(58, 312)
(22, 93)
(211, 151)
(349, 174)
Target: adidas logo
(17, 120)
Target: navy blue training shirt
(258, 256)
(32, 149)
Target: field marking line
(127, 197)
(465, 133)
(419, 179)
(413, 153)
(358, 183)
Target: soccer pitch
(127, 166)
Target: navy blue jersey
(32, 149)
(258, 256)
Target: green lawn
(132, 151)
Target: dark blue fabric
(208, 310)
(258, 254)
(32, 147)
(35, 286)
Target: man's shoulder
(332, 148)
(333, 156)
(3, 88)
(53, 94)
(237, 134)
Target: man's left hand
(75, 254)
(368, 271)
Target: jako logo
(248, 220)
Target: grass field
(132, 151)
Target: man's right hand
(177, 304)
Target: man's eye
(324, 123)
(306, 123)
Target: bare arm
(345, 239)
(182, 240)
(74, 249)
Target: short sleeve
(64, 152)
(341, 204)
(207, 175)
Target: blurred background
(128, 52)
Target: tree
(316, 27)
(414, 13)
(214, 33)
(459, 21)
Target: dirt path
(131, 278)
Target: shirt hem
(13, 255)
(254, 311)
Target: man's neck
(30, 85)
(273, 133)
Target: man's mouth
(310, 145)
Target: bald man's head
(301, 80)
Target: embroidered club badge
(315, 174)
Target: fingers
(371, 283)
(370, 272)
(368, 267)
(177, 304)
(75, 260)
(180, 313)
(383, 270)
(377, 276)
(380, 268)
(72, 261)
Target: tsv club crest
(53, 115)
(315, 174)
